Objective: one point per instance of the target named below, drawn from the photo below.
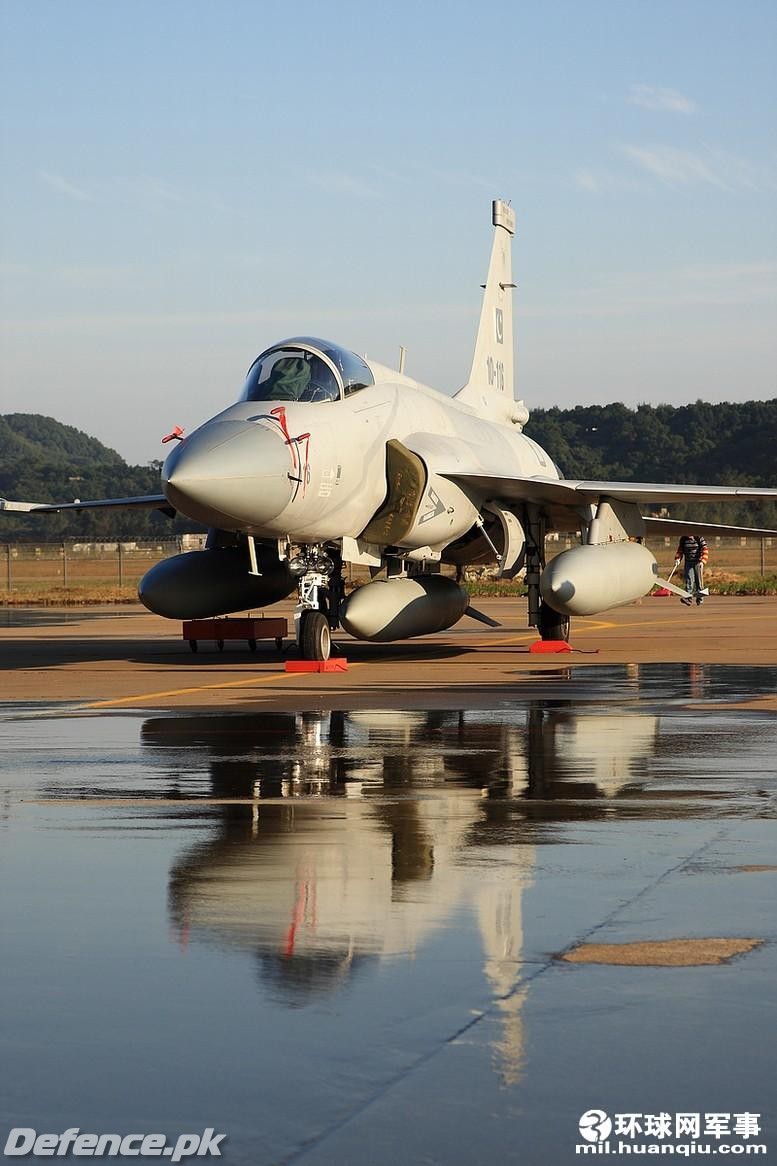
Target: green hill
(42, 460)
(31, 437)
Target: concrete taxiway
(432, 910)
(126, 658)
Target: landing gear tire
(315, 641)
(552, 624)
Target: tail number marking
(495, 371)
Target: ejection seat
(288, 380)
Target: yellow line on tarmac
(263, 679)
(641, 623)
(594, 626)
(144, 696)
(266, 678)
(508, 640)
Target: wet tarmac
(334, 935)
(41, 617)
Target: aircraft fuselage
(315, 471)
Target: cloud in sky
(641, 293)
(57, 182)
(340, 182)
(674, 167)
(121, 188)
(456, 177)
(606, 181)
(619, 294)
(586, 180)
(680, 168)
(664, 100)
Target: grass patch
(752, 585)
(722, 583)
(88, 594)
(496, 588)
(81, 595)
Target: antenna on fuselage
(402, 355)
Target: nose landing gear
(319, 594)
(313, 636)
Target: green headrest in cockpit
(289, 378)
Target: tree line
(725, 444)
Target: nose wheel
(320, 592)
(315, 640)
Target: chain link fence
(76, 566)
(71, 564)
(743, 555)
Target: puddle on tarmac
(38, 617)
(315, 923)
(662, 684)
(614, 743)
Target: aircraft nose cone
(229, 473)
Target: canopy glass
(306, 369)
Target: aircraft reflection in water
(430, 814)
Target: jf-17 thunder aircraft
(329, 458)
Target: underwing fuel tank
(199, 584)
(397, 609)
(589, 579)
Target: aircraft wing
(146, 502)
(568, 492)
(682, 526)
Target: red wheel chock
(549, 646)
(335, 664)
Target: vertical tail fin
(490, 385)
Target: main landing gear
(552, 625)
(319, 595)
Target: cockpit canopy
(306, 369)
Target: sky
(184, 183)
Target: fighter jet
(329, 458)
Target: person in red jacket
(693, 549)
